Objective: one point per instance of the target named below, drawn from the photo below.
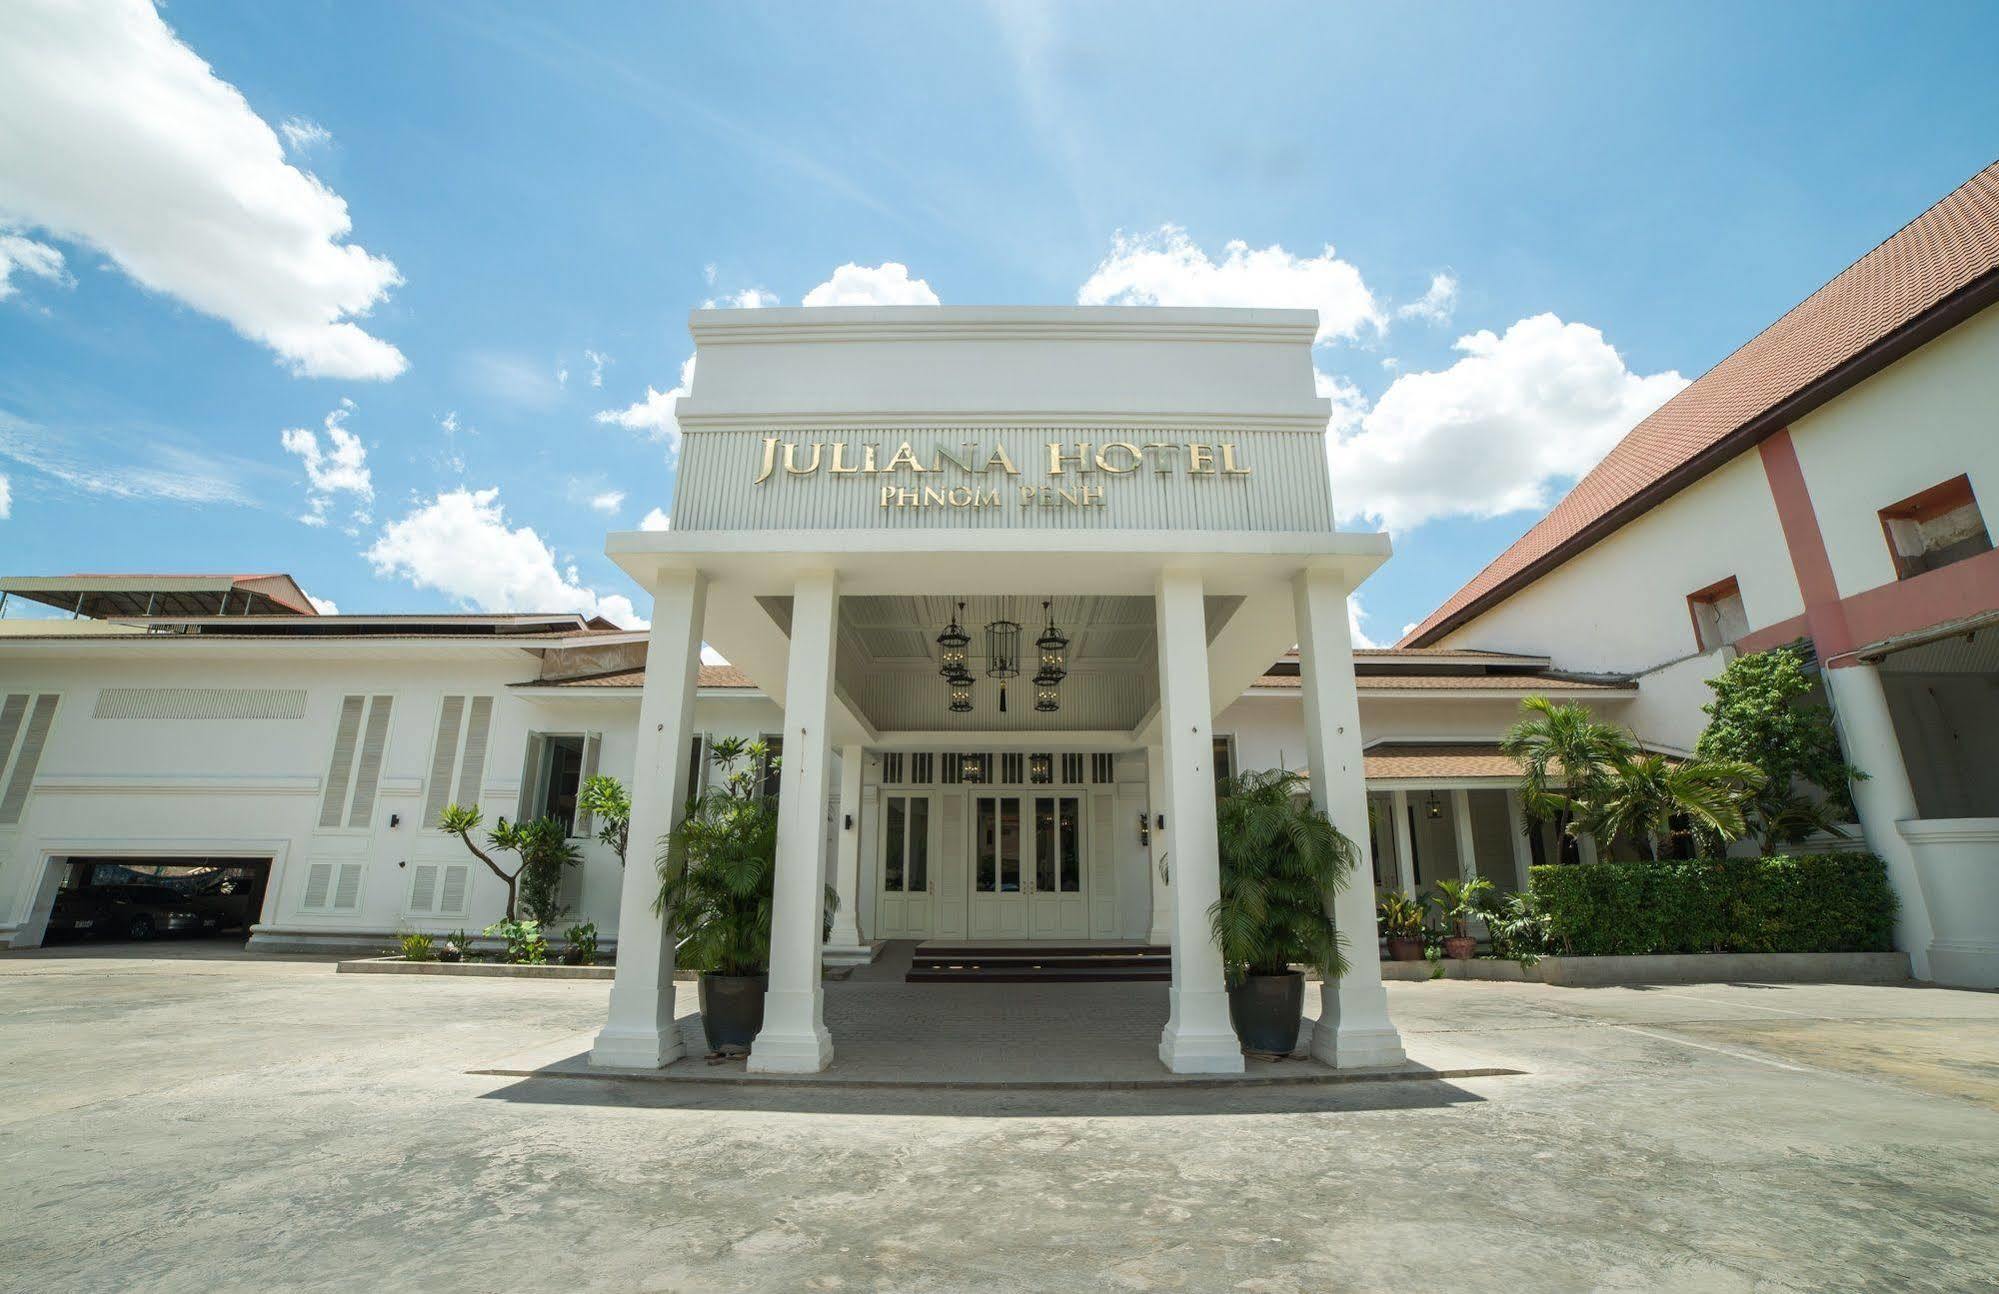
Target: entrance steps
(1025, 963)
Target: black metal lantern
(951, 646)
(1002, 654)
(1433, 808)
(1047, 696)
(1054, 649)
(1040, 768)
(961, 693)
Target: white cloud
(339, 468)
(1493, 433)
(7, 499)
(709, 656)
(29, 257)
(459, 543)
(562, 374)
(1166, 268)
(1355, 615)
(608, 502)
(325, 606)
(302, 133)
(887, 284)
(1436, 304)
(747, 299)
(597, 363)
(89, 464)
(653, 415)
(656, 520)
(115, 134)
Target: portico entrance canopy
(848, 475)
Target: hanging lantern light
(961, 693)
(1002, 654)
(1054, 647)
(1433, 808)
(1047, 696)
(951, 646)
(1040, 768)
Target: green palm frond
(1281, 862)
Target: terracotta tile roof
(1463, 682)
(1946, 257)
(1400, 761)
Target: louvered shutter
(526, 804)
(442, 756)
(585, 820)
(333, 800)
(473, 770)
(423, 889)
(347, 888)
(451, 896)
(11, 712)
(318, 885)
(30, 755)
(369, 774)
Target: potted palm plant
(1457, 903)
(1401, 921)
(718, 870)
(1281, 861)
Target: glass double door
(1027, 867)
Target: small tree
(1567, 755)
(1281, 860)
(543, 849)
(1759, 716)
(1649, 797)
(604, 798)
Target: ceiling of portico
(887, 663)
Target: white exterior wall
(253, 787)
(1939, 408)
(1621, 606)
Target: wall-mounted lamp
(395, 820)
(1433, 808)
(1161, 823)
(1144, 830)
(850, 821)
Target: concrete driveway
(194, 1121)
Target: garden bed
(393, 965)
(1672, 968)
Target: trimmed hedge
(1818, 903)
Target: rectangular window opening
(1932, 529)
(1718, 614)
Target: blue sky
(1542, 218)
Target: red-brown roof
(1936, 270)
(1459, 682)
(1439, 762)
(711, 676)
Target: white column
(794, 1038)
(1585, 847)
(1198, 1038)
(1884, 798)
(1354, 1029)
(1467, 845)
(639, 1032)
(1162, 885)
(845, 938)
(1405, 842)
(1523, 849)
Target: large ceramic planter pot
(1459, 947)
(1266, 1009)
(1401, 949)
(732, 1010)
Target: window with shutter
(318, 886)
(473, 767)
(347, 888)
(35, 735)
(585, 820)
(333, 800)
(423, 888)
(368, 773)
(443, 757)
(451, 894)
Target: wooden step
(1041, 950)
(1036, 975)
(1015, 963)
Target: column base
(853, 954)
(1353, 1030)
(1961, 963)
(1198, 1038)
(791, 1053)
(636, 1048)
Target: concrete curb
(1179, 1084)
(473, 970)
(1677, 968)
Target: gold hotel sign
(1071, 467)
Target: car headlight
(180, 916)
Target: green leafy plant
(1281, 862)
(456, 948)
(605, 799)
(1808, 903)
(1458, 902)
(581, 941)
(543, 848)
(526, 945)
(1648, 798)
(1566, 755)
(418, 947)
(1399, 916)
(1433, 953)
(718, 870)
(1516, 929)
(1759, 715)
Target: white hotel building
(848, 477)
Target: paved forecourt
(180, 1123)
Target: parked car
(133, 911)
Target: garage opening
(143, 899)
